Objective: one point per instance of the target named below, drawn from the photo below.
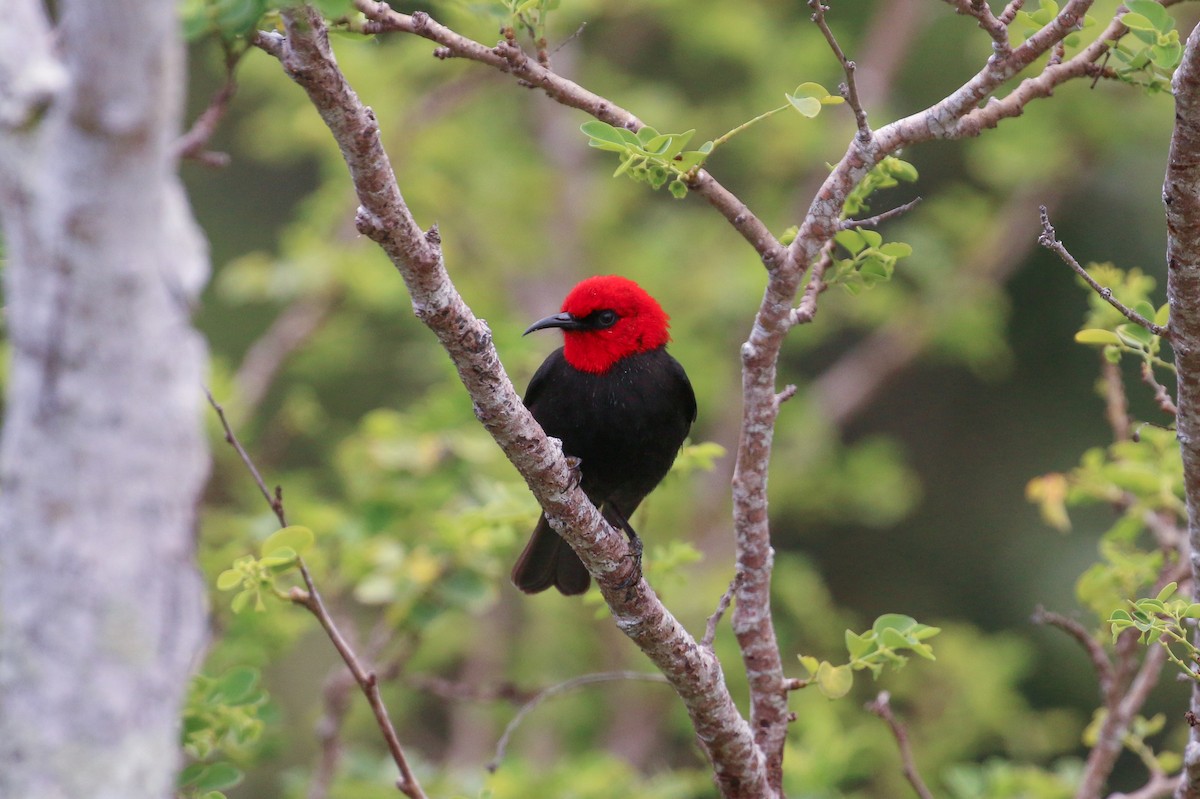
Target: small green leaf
(896, 249)
(810, 664)
(1150, 11)
(1097, 336)
(229, 580)
(1137, 22)
(1163, 316)
(857, 645)
(293, 537)
(1167, 591)
(218, 776)
(852, 240)
(896, 621)
(1135, 335)
(807, 106)
(871, 237)
(834, 681)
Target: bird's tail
(548, 561)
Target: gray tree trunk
(102, 455)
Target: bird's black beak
(562, 320)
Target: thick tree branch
(383, 216)
(1181, 198)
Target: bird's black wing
(541, 378)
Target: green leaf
(810, 664)
(1167, 591)
(1097, 336)
(807, 106)
(834, 681)
(1135, 335)
(893, 621)
(1163, 316)
(229, 580)
(218, 776)
(293, 537)
(852, 240)
(896, 249)
(602, 131)
(857, 645)
(1150, 11)
(236, 685)
(1137, 22)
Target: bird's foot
(573, 464)
(635, 554)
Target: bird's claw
(573, 464)
(635, 554)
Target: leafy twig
(310, 598)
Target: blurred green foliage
(417, 515)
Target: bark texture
(102, 454)
(1181, 198)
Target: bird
(619, 403)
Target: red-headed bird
(618, 402)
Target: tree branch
(310, 598)
(383, 216)
(1051, 242)
(882, 707)
(850, 87)
(507, 57)
(1181, 198)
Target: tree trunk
(102, 454)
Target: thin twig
(807, 310)
(710, 629)
(193, 144)
(1116, 403)
(467, 691)
(311, 599)
(995, 27)
(1050, 242)
(878, 219)
(1158, 785)
(560, 688)
(882, 707)
(274, 500)
(1095, 652)
(1161, 395)
(850, 88)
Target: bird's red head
(606, 318)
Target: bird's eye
(606, 319)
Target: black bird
(618, 402)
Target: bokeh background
(924, 407)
